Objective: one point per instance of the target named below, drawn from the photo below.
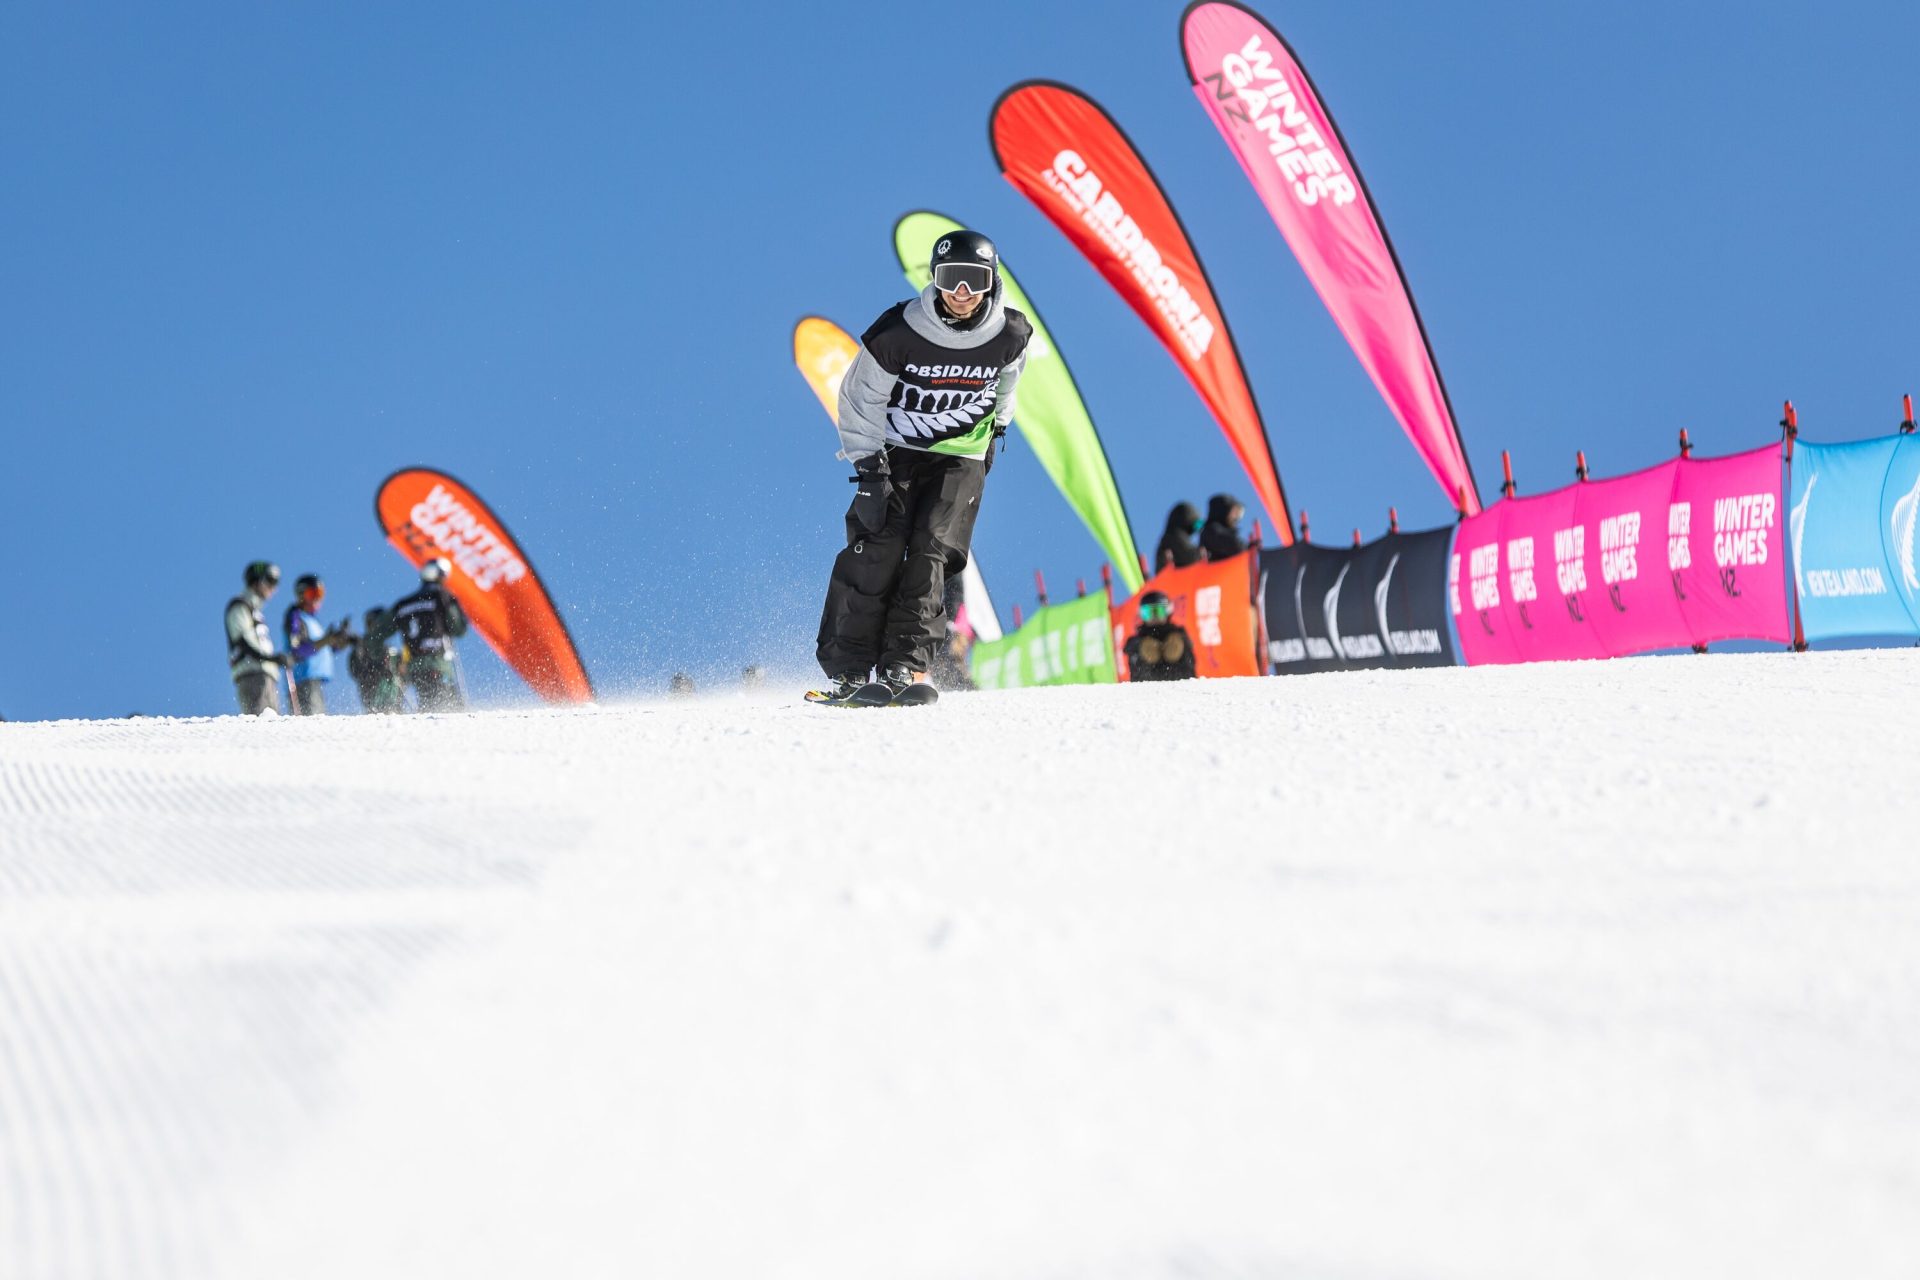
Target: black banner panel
(1383, 604)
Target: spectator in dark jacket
(1161, 649)
(375, 667)
(1177, 547)
(1220, 536)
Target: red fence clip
(1393, 519)
(1305, 534)
(1686, 445)
(1506, 470)
(1040, 586)
(1580, 465)
(1906, 415)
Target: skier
(1161, 648)
(430, 620)
(921, 407)
(373, 667)
(1177, 549)
(251, 661)
(311, 645)
(1220, 536)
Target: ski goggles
(1156, 612)
(949, 276)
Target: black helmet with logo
(262, 571)
(965, 257)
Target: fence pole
(1580, 465)
(1790, 430)
(1506, 472)
(1040, 587)
(1393, 519)
(1306, 535)
(1686, 445)
(1906, 415)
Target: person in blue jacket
(311, 645)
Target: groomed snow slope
(1589, 970)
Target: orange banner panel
(1214, 602)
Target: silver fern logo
(1904, 513)
(1380, 602)
(920, 413)
(1299, 604)
(1332, 606)
(1797, 528)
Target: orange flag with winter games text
(426, 513)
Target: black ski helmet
(262, 571)
(304, 581)
(1155, 607)
(960, 250)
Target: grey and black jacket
(920, 383)
(249, 641)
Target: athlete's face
(962, 302)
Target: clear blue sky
(255, 257)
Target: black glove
(870, 503)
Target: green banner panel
(1062, 644)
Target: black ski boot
(907, 690)
(841, 692)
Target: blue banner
(1851, 520)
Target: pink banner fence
(1685, 553)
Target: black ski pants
(256, 691)
(436, 686)
(884, 601)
